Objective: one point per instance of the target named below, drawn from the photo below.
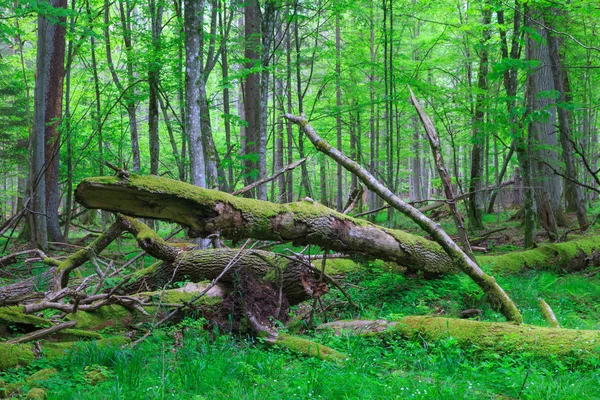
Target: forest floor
(193, 361)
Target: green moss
(108, 316)
(503, 337)
(550, 257)
(148, 271)
(179, 296)
(36, 394)
(13, 355)
(80, 333)
(339, 266)
(310, 348)
(41, 375)
(14, 315)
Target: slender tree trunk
(575, 200)
(372, 200)
(305, 181)
(290, 136)
(252, 92)
(226, 102)
(339, 196)
(156, 12)
(476, 197)
(67, 128)
(130, 102)
(193, 47)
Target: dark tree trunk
(156, 12)
(575, 200)
(476, 197)
(252, 98)
(46, 137)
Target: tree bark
(193, 63)
(46, 136)
(252, 94)
(575, 200)
(339, 195)
(542, 128)
(156, 12)
(476, 198)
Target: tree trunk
(193, 11)
(543, 127)
(575, 200)
(46, 135)
(252, 92)
(339, 195)
(306, 222)
(156, 12)
(493, 337)
(476, 197)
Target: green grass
(212, 366)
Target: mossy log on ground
(308, 348)
(572, 256)
(307, 222)
(500, 337)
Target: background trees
(206, 82)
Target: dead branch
(269, 179)
(497, 298)
(42, 333)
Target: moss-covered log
(306, 222)
(497, 337)
(296, 280)
(572, 256)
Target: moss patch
(310, 348)
(503, 337)
(36, 394)
(115, 316)
(557, 257)
(79, 334)
(13, 355)
(41, 375)
(14, 315)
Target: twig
(269, 179)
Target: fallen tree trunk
(307, 222)
(573, 256)
(489, 336)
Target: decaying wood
(42, 333)
(496, 296)
(307, 222)
(495, 337)
(548, 314)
